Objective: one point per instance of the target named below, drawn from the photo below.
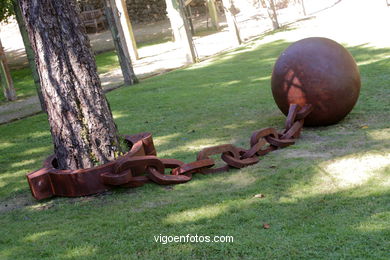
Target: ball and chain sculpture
(315, 82)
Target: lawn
(327, 197)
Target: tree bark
(228, 7)
(211, 5)
(127, 28)
(5, 77)
(272, 13)
(83, 130)
(180, 28)
(120, 44)
(29, 52)
(303, 8)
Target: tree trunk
(120, 44)
(229, 9)
(5, 77)
(303, 8)
(124, 18)
(29, 52)
(180, 28)
(212, 9)
(83, 130)
(272, 13)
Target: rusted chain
(193, 167)
(141, 164)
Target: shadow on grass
(218, 101)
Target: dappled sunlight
(80, 251)
(336, 174)
(163, 140)
(41, 205)
(119, 114)
(373, 60)
(262, 79)
(239, 124)
(36, 150)
(13, 176)
(356, 170)
(207, 212)
(380, 135)
(189, 146)
(350, 171)
(6, 145)
(232, 82)
(193, 215)
(38, 235)
(22, 163)
(375, 223)
(239, 180)
(37, 134)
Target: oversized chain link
(143, 165)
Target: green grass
(106, 61)
(327, 197)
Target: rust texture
(140, 165)
(320, 72)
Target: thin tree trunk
(212, 8)
(120, 44)
(229, 9)
(180, 28)
(272, 13)
(83, 130)
(127, 28)
(29, 52)
(303, 8)
(5, 76)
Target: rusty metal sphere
(316, 71)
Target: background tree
(82, 127)
(6, 11)
(123, 47)
(5, 77)
(270, 4)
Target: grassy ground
(327, 197)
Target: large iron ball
(316, 71)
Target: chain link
(131, 169)
(141, 165)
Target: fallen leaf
(364, 126)
(266, 226)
